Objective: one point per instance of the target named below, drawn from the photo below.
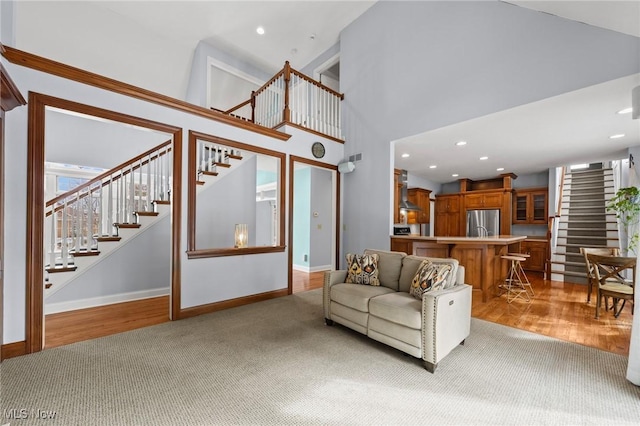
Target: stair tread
(127, 225)
(107, 238)
(144, 213)
(82, 253)
(55, 269)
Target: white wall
(124, 45)
(203, 280)
(409, 67)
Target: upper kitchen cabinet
(488, 200)
(419, 197)
(448, 217)
(530, 206)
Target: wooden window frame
(198, 253)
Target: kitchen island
(480, 256)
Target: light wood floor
(558, 310)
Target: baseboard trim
(73, 305)
(12, 350)
(302, 268)
(231, 303)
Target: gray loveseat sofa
(427, 329)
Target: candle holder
(241, 235)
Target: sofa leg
(430, 367)
(328, 321)
(462, 343)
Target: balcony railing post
(287, 78)
(253, 106)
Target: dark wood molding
(36, 202)
(10, 96)
(12, 350)
(35, 224)
(49, 66)
(203, 253)
(306, 129)
(196, 253)
(176, 227)
(292, 160)
(231, 303)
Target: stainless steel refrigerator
(483, 223)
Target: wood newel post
(287, 77)
(253, 106)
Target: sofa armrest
(331, 278)
(446, 321)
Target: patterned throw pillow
(363, 269)
(428, 277)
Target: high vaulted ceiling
(297, 31)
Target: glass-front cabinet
(530, 206)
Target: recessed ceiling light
(484, 158)
(625, 111)
(499, 169)
(618, 136)
(405, 155)
(260, 30)
(455, 175)
(461, 143)
(433, 166)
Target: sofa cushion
(430, 276)
(390, 265)
(363, 269)
(399, 308)
(356, 296)
(410, 265)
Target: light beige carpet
(275, 362)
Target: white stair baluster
(132, 196)
(64, 250)
(100, 212)
(52, 243)
(77, 222)
(149, 198)
(89, 219)
(110, 207)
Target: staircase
(94, 219)
(584, 222)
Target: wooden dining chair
(591, 276)
(609, 271)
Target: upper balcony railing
(292, 98)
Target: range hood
(405, 204)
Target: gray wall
(142, 263)
(320, 237)
(409, 67)
(226, 202)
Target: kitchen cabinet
(448, 216)
(537, 251)
(419, 197)
(530, 207)
(487, 200)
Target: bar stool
(513, 285)
(525, 280)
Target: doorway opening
(313, 222)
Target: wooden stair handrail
(108, 173)
(559, 207)
(237, 107)
(317, 83)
